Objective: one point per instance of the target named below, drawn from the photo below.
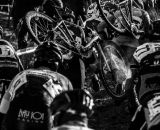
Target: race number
(53, 88)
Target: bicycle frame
(89, 45)
(64, 35)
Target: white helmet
(144, 50)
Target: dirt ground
(108, 115)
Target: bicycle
(41, 27)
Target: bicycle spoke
(38, 27)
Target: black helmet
(47, 54)
(78, 100)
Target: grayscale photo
(79, 64)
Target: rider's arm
(10, 93)
(66, 84)
(4, 106)
(70, 87)
(5, 103)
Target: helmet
(47, 54)
(78, 100)
(147, 53)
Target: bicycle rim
(40, 26)
(117, 89)
(43, 28)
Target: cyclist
(26, 103)
(71, 110)
(127, 41)
(147, 115)
(148, 92)
(10, 65)
(20, 8)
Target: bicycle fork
(104, 57)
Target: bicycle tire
(108, 22)
(35, 22)
(106, 78)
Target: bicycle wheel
(43, 28)
(39, 26)
(113, 22)
(117, 81)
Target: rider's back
(33, 91)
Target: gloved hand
(5, 103)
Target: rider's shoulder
(42, 75)
(56, 74)
(23, 76)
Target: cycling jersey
(10, 65)
(53, 82)
(28, 98)
(128, 40)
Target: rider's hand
(5, 103)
